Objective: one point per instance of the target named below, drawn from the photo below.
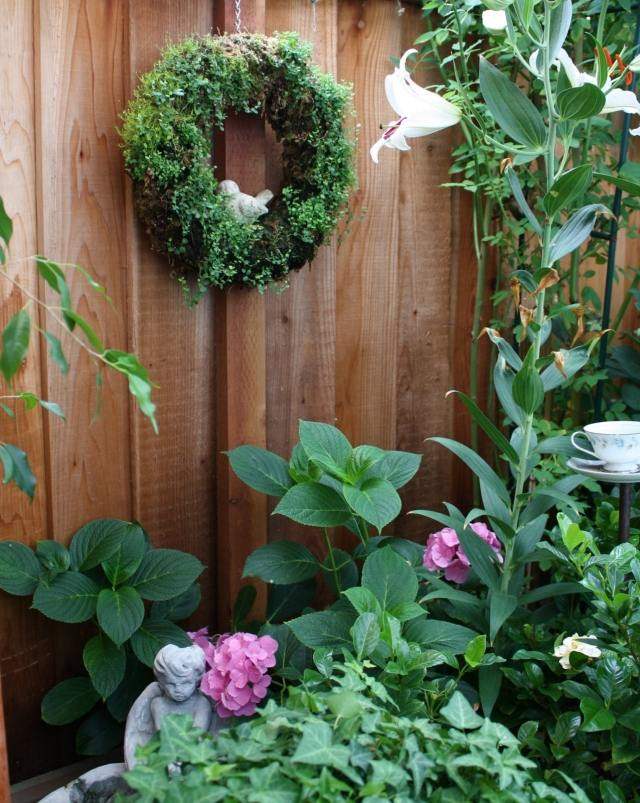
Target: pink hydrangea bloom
(443, 551)
(238, 676)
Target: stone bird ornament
(245, 208)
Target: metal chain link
(314, 16)
(238, 12)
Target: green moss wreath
(167, 135)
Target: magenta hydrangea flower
(238, 677)
(443, 551)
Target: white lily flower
(574, 644)
(420, 111)
(634, 64)
(616, 100)
(494, 21)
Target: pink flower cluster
(443, 551)
(238, 676)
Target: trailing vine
(167, 133)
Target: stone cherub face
(179, 671)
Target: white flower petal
(576, 78)
(494, 21)
(621, 100)
(635, 132)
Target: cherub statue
(245, 208)
(179, 671)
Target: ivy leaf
(316, 747)
(16, 469)
(459, 713)
(15, 343)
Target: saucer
(592, 468)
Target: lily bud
(494, 21)
(558, 361)
(505, 163)
(488, 331)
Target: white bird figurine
(245, 208)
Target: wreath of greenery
(168, 130)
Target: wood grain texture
(173, 472)
(82, 221)
(367, 271)
(241, 355)
(426, 326)
(4, 762)
(301, 322)
(26, 643)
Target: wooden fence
(370, 338)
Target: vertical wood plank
(425, 324)
(26, 643)
(301, 322)
(4, 763)
(173, 473)
(241, 353)
(81, 92)
(367, 272)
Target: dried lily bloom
(515, 285)
(505, 163)
(579, 313)
(558, 361)
(526, 315)
(550, 278)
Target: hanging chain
(238, 12)
(314, 16)
(399, 8)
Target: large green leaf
(16, 468)
(390, 578)
(540, 504)
(395, 467)
(551, 590)
(481, 557)
(574, 232)
(489, 682)
(165, 573)
(54, 276)
(285, 602)
(527, 537)
(323, 629)
(501, 606)
(567, 188)
(503, 382)
(511, 108)
(98, 734)
(366, 634)
(345, 568)
(136, 676)
(314, 504)
(69, 597)
(518, 194)
(326, 446)
(527, 388)
(375, 500)
(487, 425)
(153, 635)
(53, 556)
(126, 559)
(15, 343)
(281, 562)
(480, 467)
(97, 541)
(105, 663)
(623, 182)
(68, 701)
(261, 470)
(178, 608)
(57, 353)
(559, 25)
(20, 570)
(120, 612)
(580, 102)
(439, 634)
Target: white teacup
(617, 443)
